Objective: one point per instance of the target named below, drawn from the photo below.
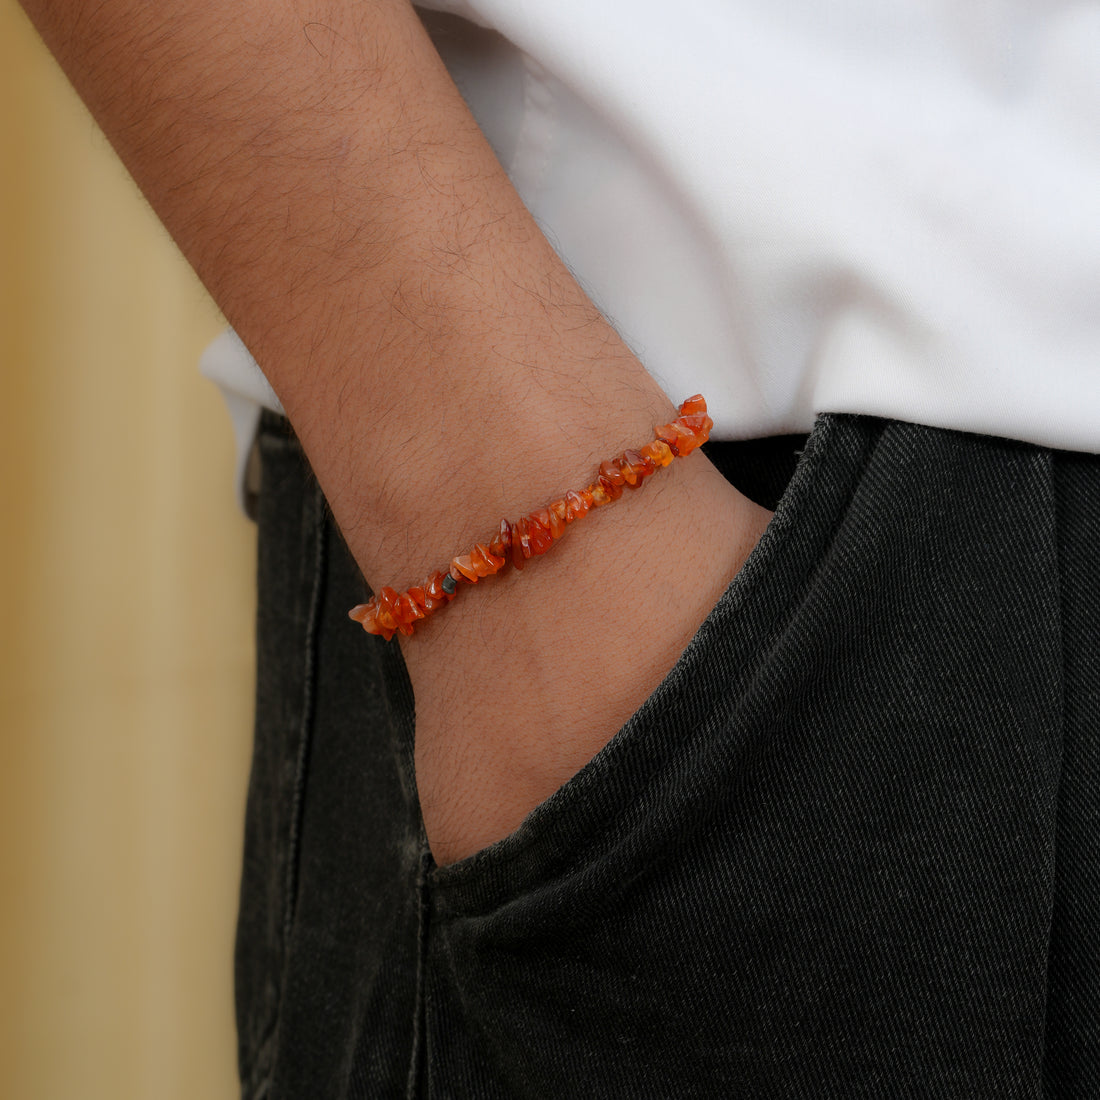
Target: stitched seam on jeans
(262, 1069)
(257, 1078)
(1059, 535)
(418, 1053)
(258, 1090)
(306, 725)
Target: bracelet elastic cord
(390, 611)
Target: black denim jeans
(850, 847)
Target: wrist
(517, 688)
(452, 474)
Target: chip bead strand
(389, 612)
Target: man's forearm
(440, 365)
(320, 172)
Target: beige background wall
(125, 616)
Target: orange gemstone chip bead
(577, 504)
(658, 452)
(390, 612)
(538, 533)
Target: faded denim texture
(849, 848)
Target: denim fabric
(849, 848)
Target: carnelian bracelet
(390, 611)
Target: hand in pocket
(523, 681)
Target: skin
(440, 365)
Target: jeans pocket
(634, 794)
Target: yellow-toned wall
(126, 599)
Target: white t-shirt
(868, 206)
